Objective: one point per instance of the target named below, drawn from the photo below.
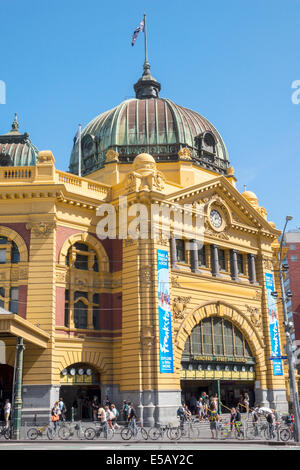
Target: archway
(79, 383)
(218, 351)
(6, 386)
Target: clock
(80, 371)
(215, 218)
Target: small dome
(251, 198)
(16, 149)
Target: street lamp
(289, 349)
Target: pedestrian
(213, 419)
(109, 416)
(255, 419)
(63, 409)
(106, 401)
(102, 416)
(116, 414)
(55, 415)
(7, 411)
(95, 406)
(270, 420)
(246, 402)
(199, 409)
(125, 411)
(132, 417)
(181, 415)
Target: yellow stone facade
(46, 212)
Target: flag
(140, 27)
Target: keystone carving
(111, 156)
(179, 307)
(255, 316)
(174, 281)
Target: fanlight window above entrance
(216, 336)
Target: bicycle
(34, 433)
(226, 431)
(6, 432)
(188, 430)
(130, 431)
(172, 432)
(66, 431)
(92, 433)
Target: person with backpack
(213, 419)
(181, 415)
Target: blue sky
(232, 61)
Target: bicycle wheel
(126, 434)
(51, 432)
(7, 433)
(154, 434)
(64, 433)
(174, 434)
(110, 434)
(269, 435)
(144, 434)
(90, 434)
(32, 434)
(285, 434)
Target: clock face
(215, 218)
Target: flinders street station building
(152, 320)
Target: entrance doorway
(230, 392)
(80, 383)
(6, 386)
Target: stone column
(252, 269)
(215, 268)
(173, 254)
(194, 256)
(234, 266)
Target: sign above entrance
(223, 359)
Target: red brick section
(22, 301)
(294, 275)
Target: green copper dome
(149, 124)
(16, 149)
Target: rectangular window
(207, 337)
(66, 307)
(13, 303)
(218, 337)
(228, 338)
(3, 256)
(82, 262)
(240, 263)
(222, 262)
(180, 251)
(294, 258)
(196, 340)
(202, 257)
(238, 339)
(292, 246)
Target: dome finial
(15, 124)
(147, 86)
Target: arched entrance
(6, 386)
(217, 359)
(79, 383)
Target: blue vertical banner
(273, 325)
(164, 313)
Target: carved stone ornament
(111, 156)
(41, 229)
(146, 275)
(179, 307)
(174, 281)
(185, 154)
(267, 263)
(147, 337)
(255, 316)
(61, 276)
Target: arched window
(9, 290)
(216, 337)
(82, 303)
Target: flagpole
(145, 34)
(79, 151)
